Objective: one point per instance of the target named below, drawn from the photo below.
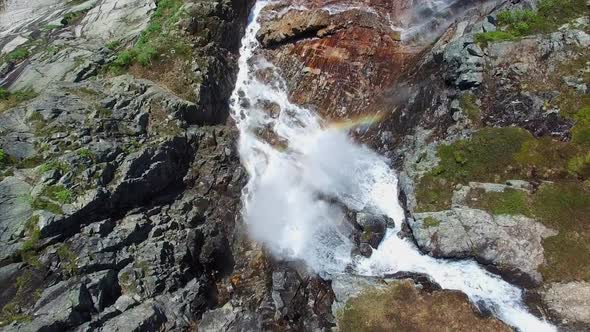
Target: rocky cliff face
(120, 183)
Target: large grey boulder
(511, 243)
(149, 316)
(464, 61)
(62, 306)
(568, 302)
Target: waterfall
(296, 161)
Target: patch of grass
(401, 307)
(55, 165)
(469, 106)
(548, 17)
(85, 153)
(29, 248)
(4, 160)
(511, 201)
(59, 194)
(485, 38)
(113, 45)
(487, 156)
(50, 27)
(72, 17)
(41, 203)
(581, 130)
(156, 39)
(433, 193)
(68, 260)
(17, 55)
(11, 99)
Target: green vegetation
(72, 17)
(156, 39)
(59, 194)
(511, 201)
(485, 38)
(68, 260)
(3, 158)
(17, 55)
(85, 153)
(581, 131)
(11, 99)
(113, 45)
(51, 198)
(50, 27)
(55, 165)
(13, 311)
(496, 155)
(29, 248)
(549, 16)
(469, 106)
(401, 307)
(431, 222)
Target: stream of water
(295, 160)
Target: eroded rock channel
(294, 165)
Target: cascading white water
(304, 163)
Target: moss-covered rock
(561, 206)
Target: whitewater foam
(287, 201)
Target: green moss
(510, 201)
(431, 222)
(487, 156)
(433, 193)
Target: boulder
(148, 316)
(568, 302)
(513, 244)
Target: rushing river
(295, 160)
